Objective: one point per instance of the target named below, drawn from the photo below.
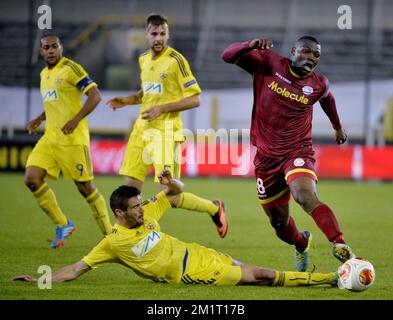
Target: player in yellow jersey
(167, 88)
(64, 147)
(138, 243)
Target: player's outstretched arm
(35, 123)
(233, 52)
(260, 44)
(172, 186)
(93, 99)
(181, 105)
(120, 102)
(66, 273)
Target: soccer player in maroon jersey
(285, 91)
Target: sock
(47, 201)
(295, 279)
(327, 222)
(192, 202)
(291, 235)
(98, 206)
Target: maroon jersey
(283, 103)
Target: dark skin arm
(341, 136)
(35, 123)
(261, 44)
(93, 99)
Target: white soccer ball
(356, 274)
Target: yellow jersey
(61, 89)
(166, 79)
(149, 252)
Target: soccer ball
(356, 274)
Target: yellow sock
(47, 201)
(98, 206)
(295, 279)
(192, 202)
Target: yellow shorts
(72, 160)
(208, 266)
(140, 155)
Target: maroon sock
(327, 222)
(291, 235)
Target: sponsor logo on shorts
(298, 162)
(146, 244)
(307, 90)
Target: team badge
(58, 81)
(163, 76)
(298, 162)
(216, 273)
(307, 90)
(150, 226)
(153, 199)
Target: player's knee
(32, 182)
(85, 188)
(304, 197)
(266, 276)
(279, 222)
(174, 200)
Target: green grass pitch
(364, 211)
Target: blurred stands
(345, 57)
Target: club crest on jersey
(152, 87)
(58, 81)
(150, 226)
(49, 95)
(146, 244)
(298, 162)
(307, 90)
(163, 76)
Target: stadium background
(106, 37)
(108, 40)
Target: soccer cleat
(220, 218)
(342, 252)
(336, 281)
(302, 259)
(62, 233)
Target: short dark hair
(45, 35)
(156, 20)
(119, 198)
(309, 38)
